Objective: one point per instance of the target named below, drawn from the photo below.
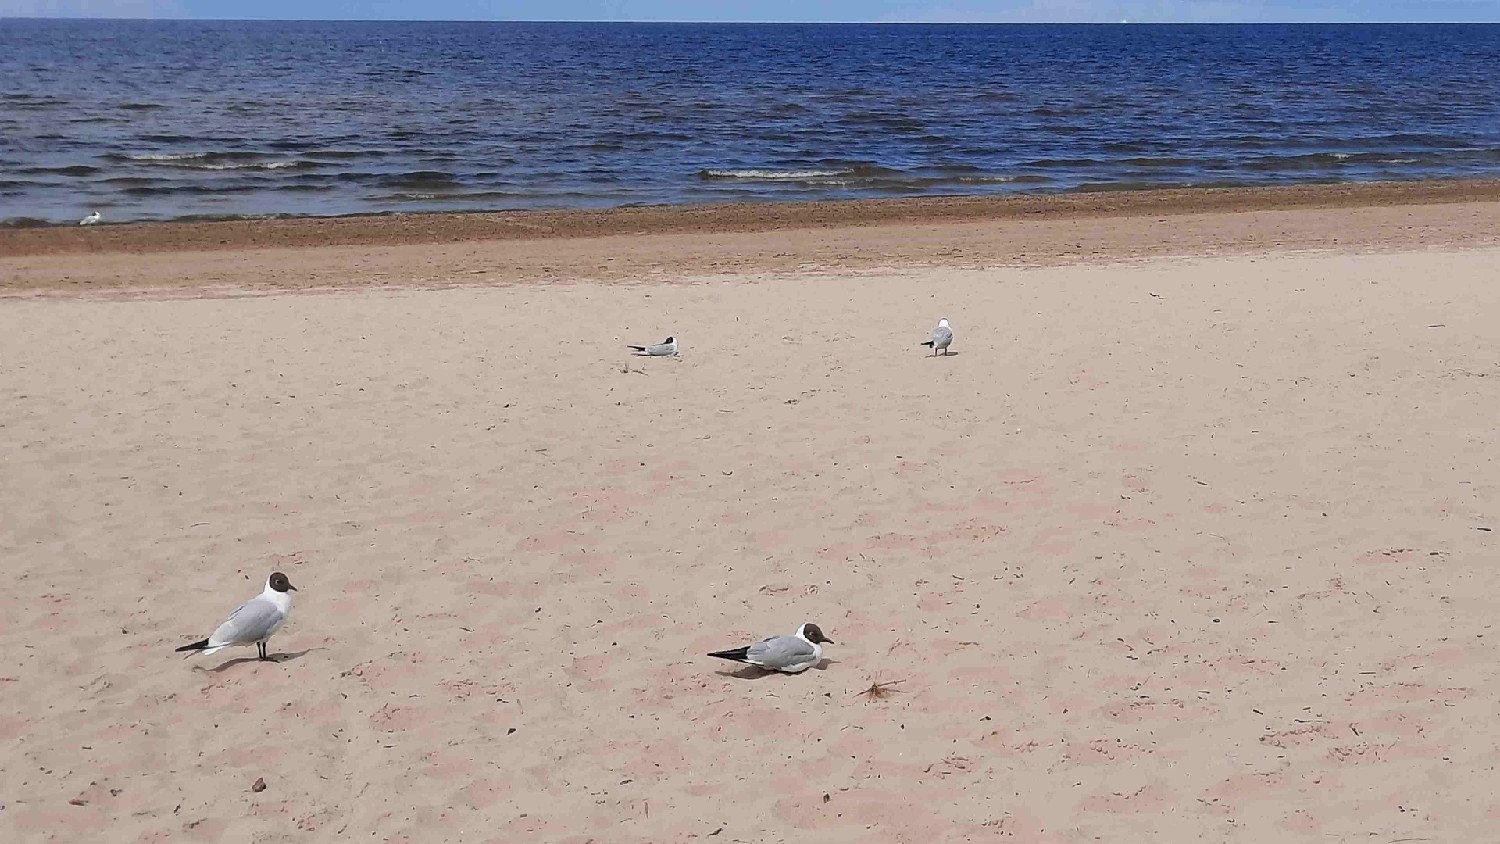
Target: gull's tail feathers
(202, 646)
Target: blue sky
(777, 10)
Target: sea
(170, 120)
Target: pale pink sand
(1168, 551)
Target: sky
(1138, 11)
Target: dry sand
(1170, 550)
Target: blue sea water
(174, 119)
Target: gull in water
(254, 621)
(90, 219)
(940, 338)
(665, 348)
(787, 654)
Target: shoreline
(661, 245)
(465, 226)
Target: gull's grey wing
(252, 621)
(780, 652)
(941, 337)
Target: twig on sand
(880, 690)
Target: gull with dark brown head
(253, 622)
(787, 654)
(666, 348)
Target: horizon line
(1125, 22)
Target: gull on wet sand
(787, 654)
(940, 338)
(90, 219)
(254, 621)
(665, 348)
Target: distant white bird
(787, 654)
(254, 621)
(940, 338)
(90, 219)
(665, 348)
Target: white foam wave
(243, 165)
(196, 161)
(775, 175)
(170, 156)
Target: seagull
(666, 348)
(940, 338)
(255, 621)
(787, 654)
(90, 219)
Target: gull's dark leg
(262, 647)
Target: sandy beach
(1192, 538)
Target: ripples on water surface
(160, 120)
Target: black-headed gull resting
(665, 348)
(90, 219)
(254, 621)
(788, 654)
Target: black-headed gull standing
(255, 621)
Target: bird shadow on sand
(290, 656)
(754, 672)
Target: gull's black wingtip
(736, 655)
(196, 646)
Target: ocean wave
(345, 154)
(1326, 160)
(421, 181)
(178, 189)
(157, 156)
(33, 103)
(761, 175)
(898, 123)
(70, 170)
(1169, 161)
(169, 157)
(1048, 163)
(208, 160)
(250, 165)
